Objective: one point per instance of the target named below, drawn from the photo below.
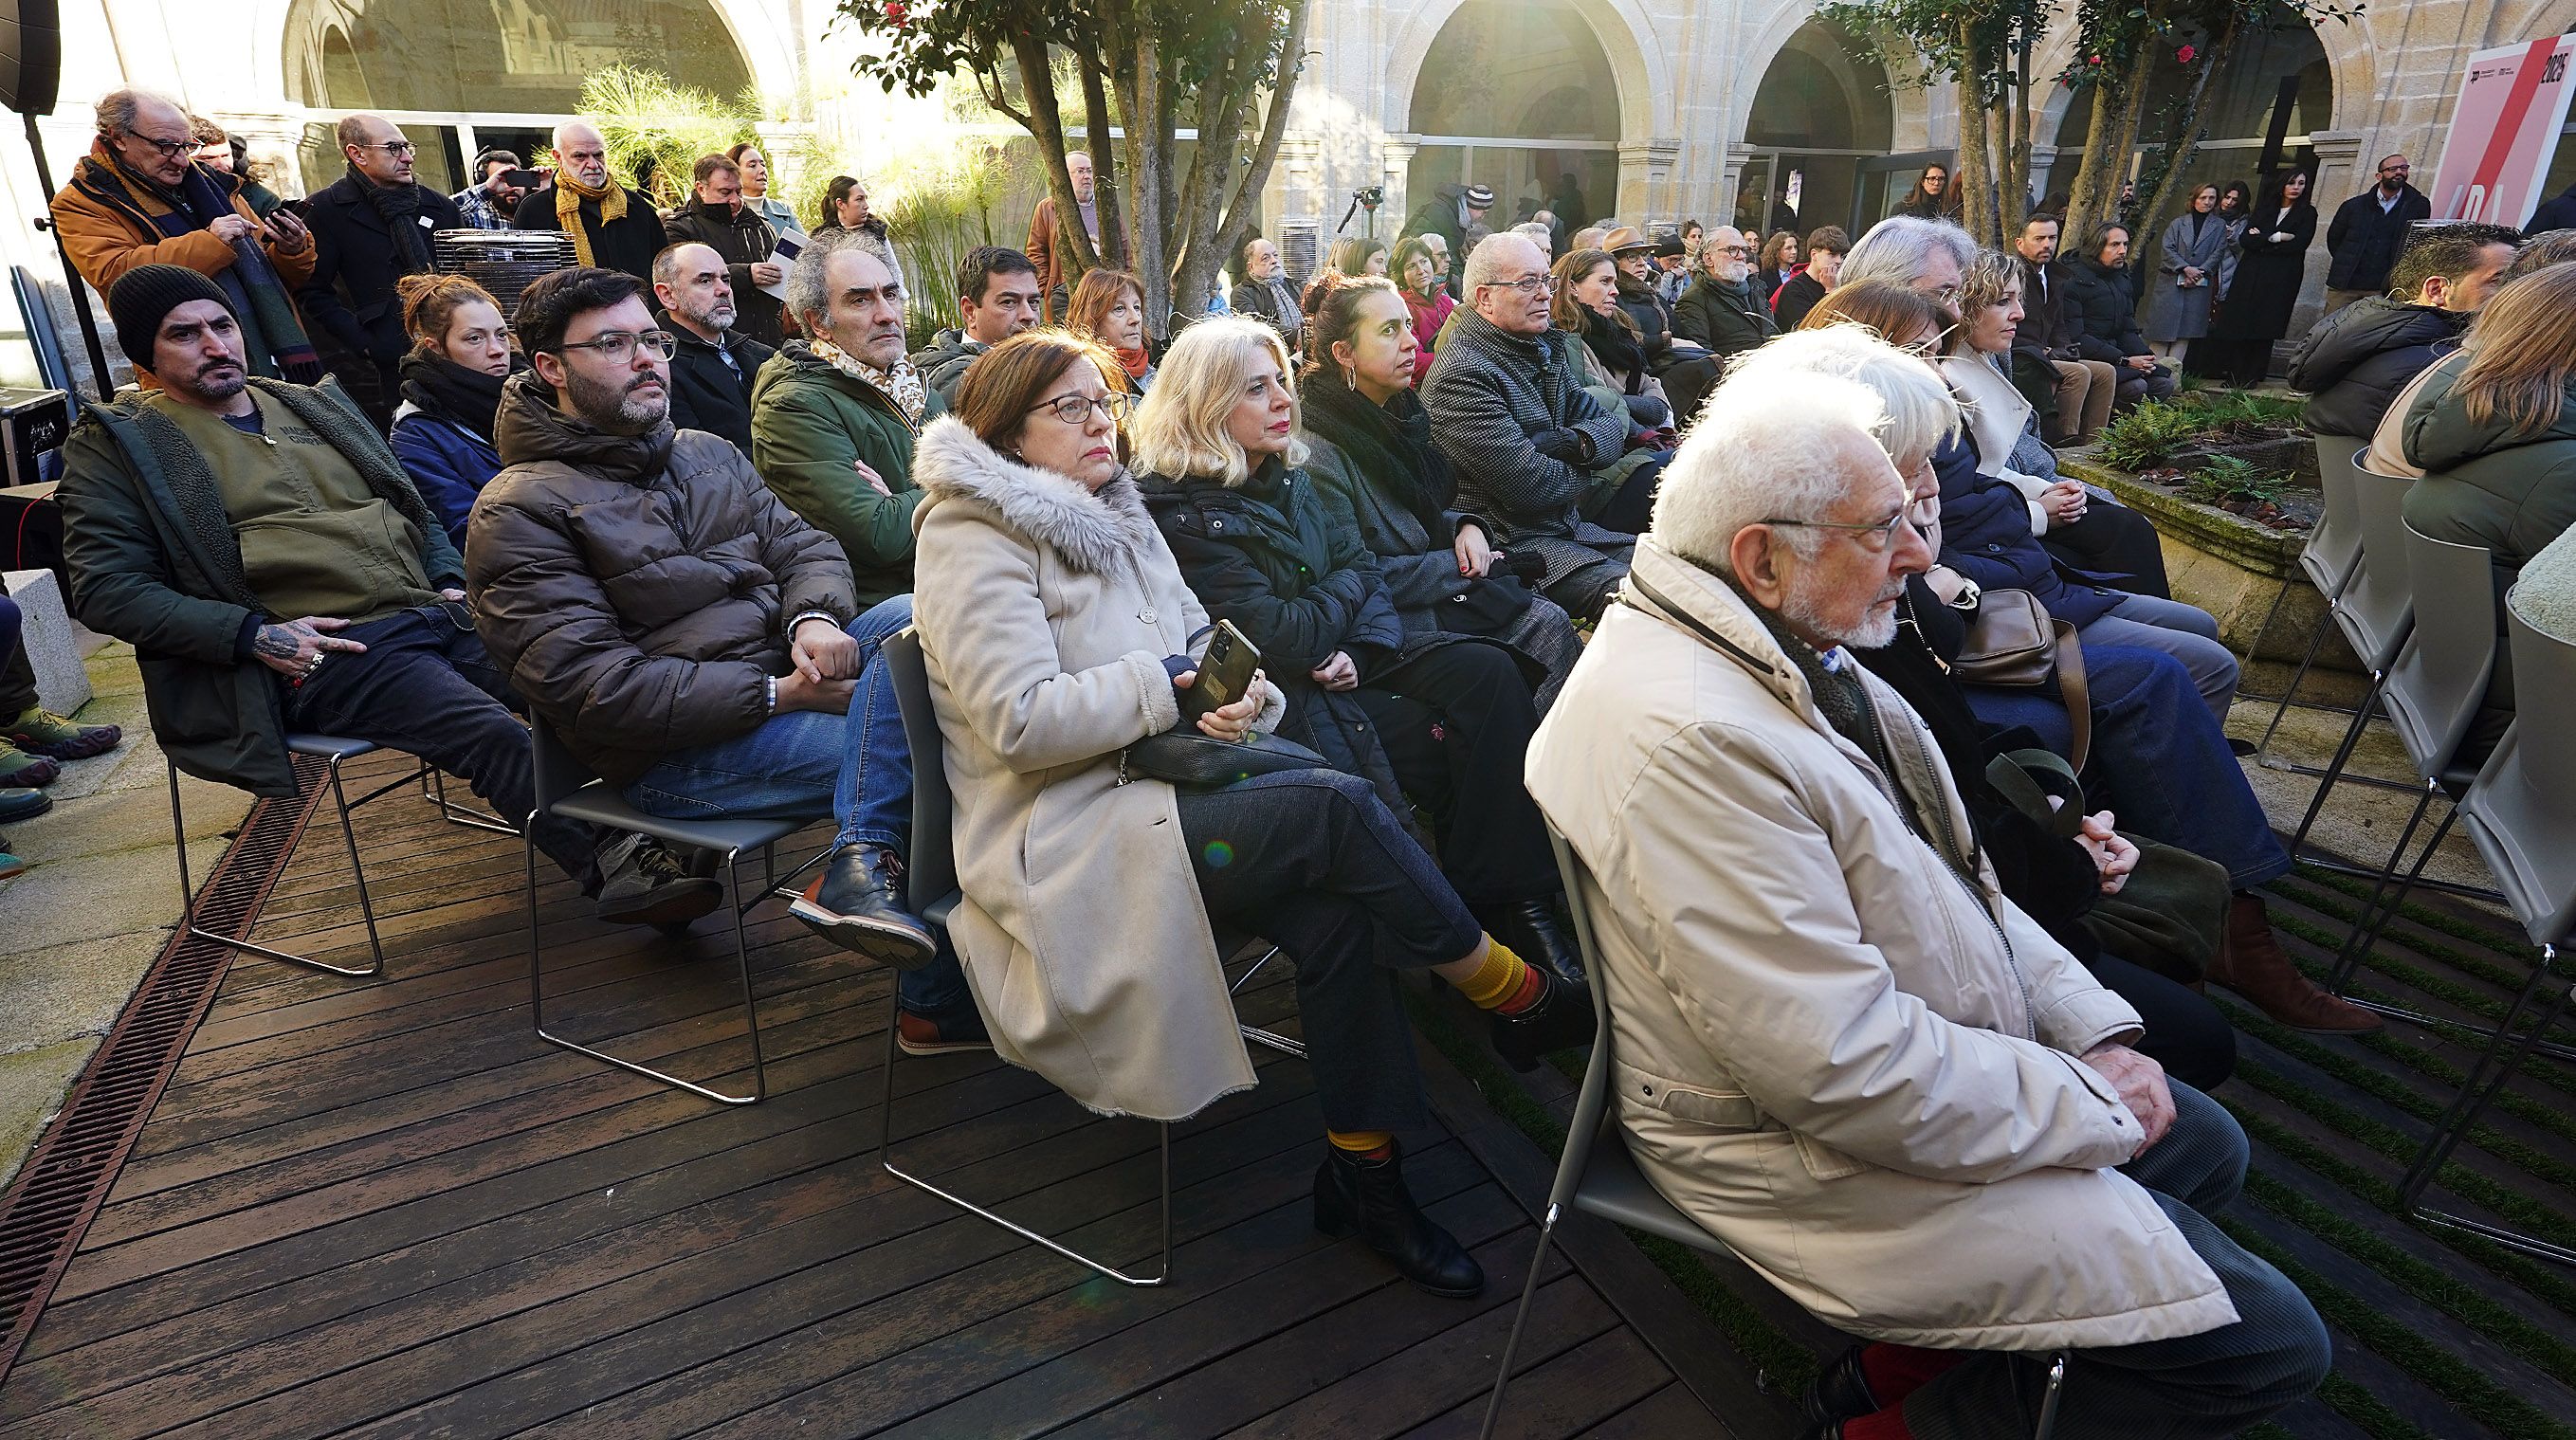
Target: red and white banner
(2513, 102)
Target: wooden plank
(1568, 1395)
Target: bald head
(376, 148)
(1506, 281)
(581, 153)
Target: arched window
(1519, 96)
(2279, 74)
(1821, 110)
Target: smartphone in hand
(1225, 672)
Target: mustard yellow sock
(1498, 980)
(1360, 1142)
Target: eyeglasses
(170, 149)
(1874, 537)
(396, 148)
(1076, 409)
(618, 346)
(1527, 285)
(1738, 251)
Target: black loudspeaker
(31, 55)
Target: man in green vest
(261, 548)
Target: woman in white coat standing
(1058, 632)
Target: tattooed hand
(293, 647)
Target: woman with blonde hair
(1058, 633)
(1109, 306)
(1357, 255)
(1442, 718)
(451, 392)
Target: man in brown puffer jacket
(688, 637)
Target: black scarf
(399, 207)
(1389, 444)
(450, 392)
(1617, 346)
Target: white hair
(575, 123)
(118, 110)
(1762, 449)
(1498, 255)
(1920, 411)
(1899, 247)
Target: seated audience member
(833, 416)
(491, 200)
(1368, 445)
(2076, 523)
(1109, 306)
(33, 739)
(2358, 358)
(718, 217)
(997, 298)
(2387, 452)
(2161, 759)
(2495, 431)
(451, 390)
(2544, 594)
(1826, 246)
(612, 226)
(847, 216)
(1875, 1078)
(20, 773)
(688, 637)
(1263, 293)
(1721, 310)
(2102, 317)
(1685, 367)
(298, 586)
(1538, 233)
(1611, 355)
(1780, 260)
(713, 368)
(1058, 632)
(1587, 238)
(2074, 394)
(1441, 716)
(1357, 255)
(371, 227)
(136, 199)
(1508, 409)
(1676, 260)
(1418, 279)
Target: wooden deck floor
(387, 1209)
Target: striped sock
(1366, 1144)
(1503, 982)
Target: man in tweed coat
(1509, 412)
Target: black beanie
(145, 295)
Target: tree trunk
(2016, 198)
(1046, 122)
(1978, 204)
(2116, 117)
(2186, 141)
(1212, 227)
(1150, 170)
(1105, 167)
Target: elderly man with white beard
(1841, 1049)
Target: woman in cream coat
(1057, 633)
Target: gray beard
(1876, 631)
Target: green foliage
(938, 207)
(2148, 436)
(2241, 411)
(644, 115)
(2223, 478)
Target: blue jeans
(791, 764)
(2159, 761)
(2186, 632)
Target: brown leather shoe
(2252, 963)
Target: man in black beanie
(262, 550)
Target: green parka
(809, 422)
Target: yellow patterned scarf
(902, 384)
(569, 193)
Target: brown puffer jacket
(634, 588)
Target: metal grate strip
(64, 1182)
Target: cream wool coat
(1045, 611)
(1849, 1063)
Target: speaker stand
(71, 275)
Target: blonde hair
(2522, 355)
(1180, 430)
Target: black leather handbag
(1184, 756)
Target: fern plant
(2226, 478)
(2149, 436)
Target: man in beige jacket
(1839, 1047)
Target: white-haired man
(1841, 1049)
(612, 227)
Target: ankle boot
(1355, 1195)
(1530, 928)
(1840, 1393)
(1559, 1019)
(2251, 963)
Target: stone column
(2339, 176)
(1645, 179)
(788, 145)
(1396, 165)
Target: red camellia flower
(2096, 60)
(895, 12)
(2185, 53)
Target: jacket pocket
(1823, 1161)
(1696, 1104)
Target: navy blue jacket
(447, 462)
(1985, 535)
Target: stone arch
(1638, 62)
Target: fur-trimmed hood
(1097, 532)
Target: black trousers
(1687, 383)
(17, 676)
(2117, 541)
(2186, 1033)
(1633, 505)
(1313, 861)
(1456, 723)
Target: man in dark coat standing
(617, 228)
(371, 227)
(716, 218)
(2368, 231)
(1450, 213)
(2554, 214)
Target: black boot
(1561, 1017)
(1841, 1392)
(1529, 927)
(642, 883)
(857, 902)
(1367, 1197)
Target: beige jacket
(1850, 1063)
(1996, 414)
(1045, 612)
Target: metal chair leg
(1520, 1321)
(2056, 1390)
(742, 960)
(885, 1158)
(357, 875)
(1285, 1045)
(2342, 757)
(2263, 747)
(433, 788)
(2503, 1055)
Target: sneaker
(11, 867)
(857, 904)
(45, 733)
(644, 884)
(18, 768)
(928, 1035)
(19, 803)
